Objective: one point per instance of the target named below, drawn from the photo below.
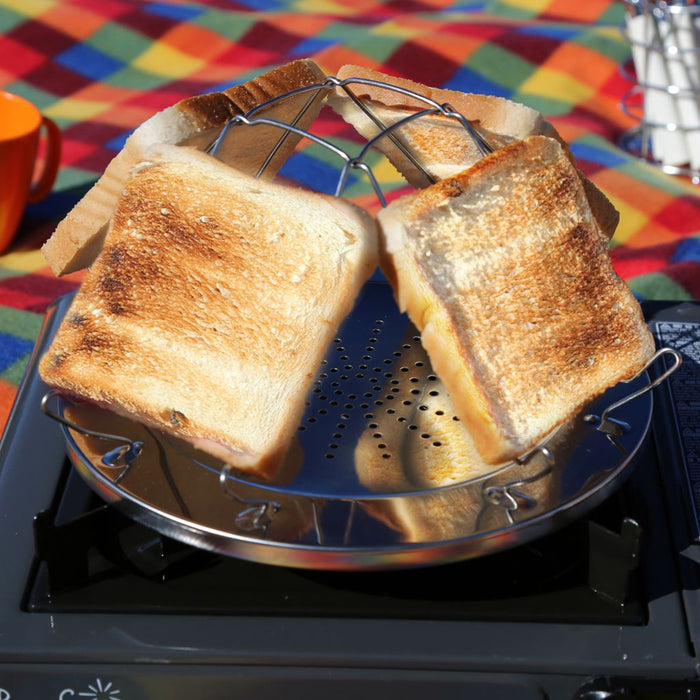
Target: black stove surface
(609, 604)
(92, 559)
(95, 560)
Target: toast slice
(504, 271)
(195, 122)
(441, 144)
(211, 305)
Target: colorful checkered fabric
(101, 67)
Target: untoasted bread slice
(504, 270)
(211, 305)
(195, 122)
(440, 144)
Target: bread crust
(195, 122)
(505, 272)
(211, 304)
(441, 144)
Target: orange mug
(20, 127)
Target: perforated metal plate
(381, 473)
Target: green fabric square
(548, 106)
(372, 44)
(495, 7)
(73, 178)
(14, 373)
(656, 285)
(40, 98)
(119, 42)
(130, 77)
(9, 19)
(230, 25)
(609, 43)
(500, 66)
(22, 324)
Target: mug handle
(43, 185)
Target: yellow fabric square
(164, 60)
(393, 28)
(631, 220)
(29, 8)
(554, 84)
(339, 8)
(24, 261)
(75, 109)
(537, 6)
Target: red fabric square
(57, 80)
(263, 35)
(420, 64)
(41, 37)
(682, 215)
(534, 48)
(18, 58)
(73, 151)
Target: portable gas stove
(96, 605)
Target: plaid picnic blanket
(101, 67)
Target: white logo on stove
(95, 691)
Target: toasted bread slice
(211, 305)
(196, 122)
(440, 144)
(504, 270)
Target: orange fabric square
(455, 48)
(102, 92)
(74, 21)
(300, 24)
(590, 67)
(125, 116)
(585, 11)
(196, 41)
(331, 59)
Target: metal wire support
(259, 512)
(121, 457)
(356, 162)
(605, 423)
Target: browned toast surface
(504, 270)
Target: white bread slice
(504, 271)
(211, 304)
(442, 145)
(196, 122)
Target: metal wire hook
(615, 427)
(121, 456)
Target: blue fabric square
(12, 349)
(467, 80)
(553, 31)
(89, 62)
(181, 12)
(314, 173)
(117, 143)
(311, 45)
(265, 4)
(688, 250)
(587, 151)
